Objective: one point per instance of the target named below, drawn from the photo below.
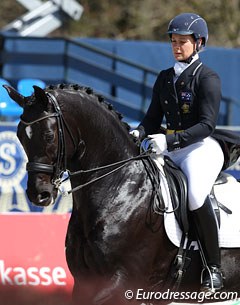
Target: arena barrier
(32, 251)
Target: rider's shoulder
(206, 71)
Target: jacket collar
(185, 77)
(187, 74)
(179, 67)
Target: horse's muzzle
(40, 191)
(44, 198)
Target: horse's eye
(49, 137)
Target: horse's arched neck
(105, 145)
(101, 136)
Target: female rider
(188, 95)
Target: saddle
(177, 182)
(177, 187)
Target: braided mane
(89, 91)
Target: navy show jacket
(190, 106)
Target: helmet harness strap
(198, 47)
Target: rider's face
(183, 46)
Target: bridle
(59, 167)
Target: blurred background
(115, 47)
(139, 19)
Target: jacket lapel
(186, 75)
(170, 83)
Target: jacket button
(166, 102)
(182, 83)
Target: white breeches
(201, 162)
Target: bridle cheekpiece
(58, 168)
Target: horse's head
(40, 133)
(67, 124)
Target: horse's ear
(16, 96)
(40, 95)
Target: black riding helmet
(189, 24)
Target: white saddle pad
(228, 194)
(229, 233)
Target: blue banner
(13, 177)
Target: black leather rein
(60, 166)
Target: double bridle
(60, 167)
(57, 169)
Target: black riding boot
(206, 227)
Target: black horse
(111, 244)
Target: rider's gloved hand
(157, 143)
(135, 133)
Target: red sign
(32, 252)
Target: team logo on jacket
(186, 99)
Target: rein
(60, 166)
(122, 163)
